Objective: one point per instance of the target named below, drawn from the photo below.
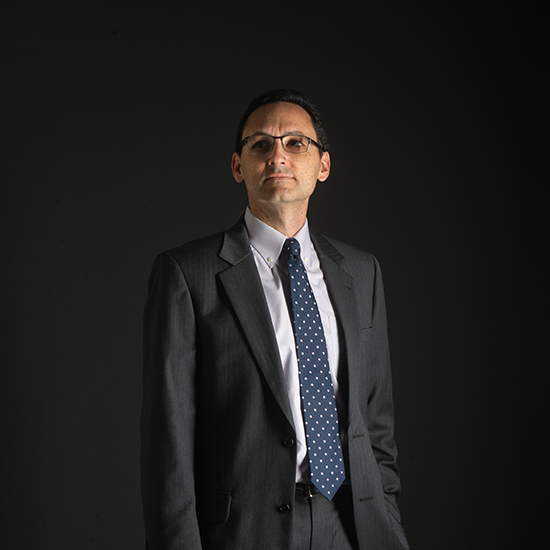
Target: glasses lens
(260, 143)
(296, 144)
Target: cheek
(252, 168)
(309, 173)
(245, 172)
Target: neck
(285, 219)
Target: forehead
(278, 119)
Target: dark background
(118, 129)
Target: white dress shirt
(267, 244)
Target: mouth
(278, 176)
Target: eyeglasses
(263, 143)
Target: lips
(279, 176)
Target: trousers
(322, 525)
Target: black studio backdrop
(118, 127)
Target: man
(245, 445)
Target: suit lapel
(244, 289)
(342, 296)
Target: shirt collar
(268, 242)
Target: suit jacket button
(288, 442)
(284, 508)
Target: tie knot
(292, 249)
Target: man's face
(277, 177)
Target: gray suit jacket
(218, 441)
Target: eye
(296, 143)
(260, 143)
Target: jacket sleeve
(380, 411)
(168, 411)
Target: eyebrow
(292, 133)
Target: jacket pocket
(213, 506)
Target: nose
(277, 155)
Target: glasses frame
(309, 140)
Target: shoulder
(192, 262)
(347, 249)
(196, 250)
(209, 254)
(346, 256)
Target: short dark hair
(285, 96)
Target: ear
(324, 171)
(236, 168)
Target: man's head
(280, 156)
(285, 96)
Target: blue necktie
(318, 403)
